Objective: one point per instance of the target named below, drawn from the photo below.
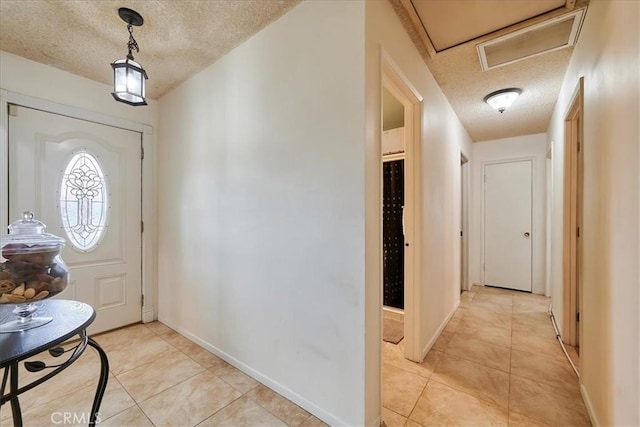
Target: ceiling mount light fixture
(502, 99)
(129, 78)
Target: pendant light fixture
(502, 99)
(129, 78)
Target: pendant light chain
(132, 44)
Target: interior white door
(507, 224)
(83, 180)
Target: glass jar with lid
(31, 268)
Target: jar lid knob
(27, 216)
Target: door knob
(527, 234)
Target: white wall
(607, 55)
(30, 78)
(261, 166)
(443, 137)
(527, 146)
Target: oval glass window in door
(83, 201)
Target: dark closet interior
(392, 233)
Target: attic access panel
(449, 23)
(556, 33)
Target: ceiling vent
(554, 34)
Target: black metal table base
(11, 374)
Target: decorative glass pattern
(83, 201)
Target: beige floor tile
(393, 419)
(480, 304)
(546, 403)
(158, 328)
(483, 332)
(239, 380)
(282, 408)
(519, 420)
(478, 380)
(535, 344)
(394, 315)
(84, 372)
(221, 368)
(541, 330)
(132, 417)
(400, 389)
(411, 423)
(137, 353)
(160, 374)
(189, 402)
(474, 350)
(459, 314)
(175, 339)
(442, 341)
(494, 290)
(452, 325)
(529, 305)
(122, 337)
(486, 298)
(201, 355)
(535, 320)
(394, 355)
(526, 296)
(243, 412)
(483, 317)
(545, 370)
(76, 407)
(314, 422)
(440, 405)
(482, 289)
(466, 297)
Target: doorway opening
(393, 233)
(572, 221)
(400, 164)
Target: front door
(507, 225)
(83, 180)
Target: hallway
(496, 363)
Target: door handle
(527, 234)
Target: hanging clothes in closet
(392, 233)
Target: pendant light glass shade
(129, 80)
(502, 99)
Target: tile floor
(157, 378)
(497, 363)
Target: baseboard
(258, 376)
(587, 403)
(148, 316)
(433, 340)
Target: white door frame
(149, 260)
(572, 216)
(483, 209)
(403, 91)
(465, 185)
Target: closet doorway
(400, 167)
(393, 236)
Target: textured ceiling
(182, 37)
(178, 39)
(458, 71)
